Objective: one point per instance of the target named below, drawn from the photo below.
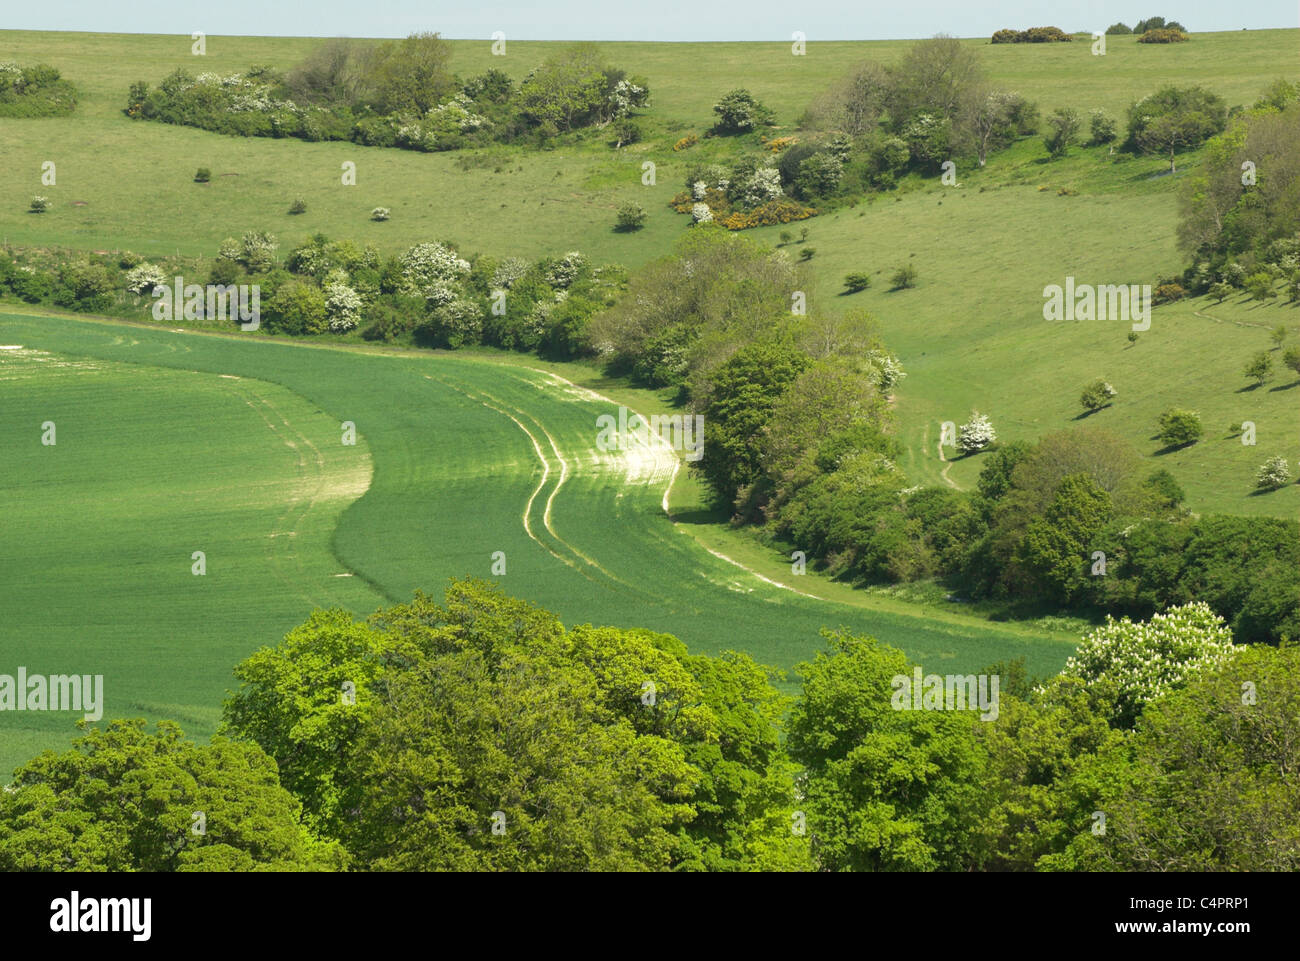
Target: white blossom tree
(976, 434)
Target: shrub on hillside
(35, 91)
(631, 216)
(1178, 427)
(1273, 473)
(904, 277)
(1097, 395)
(739, 112)
(976, 434)
(1163, 36)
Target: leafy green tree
(739, 112)
(1259, 368)
(1055, 546)
(886, 789)
(122, 799)
(1097, 395)
(1063, 130)
(854, 283)
(745, 391)
(904, 277)
(1178, 427)
(1208, 780)
(410, 76)
(1291, 359)
(1174, 119)
(567, 90)
(481, 735)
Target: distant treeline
(400, 94)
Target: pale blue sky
(633, 19)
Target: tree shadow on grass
(1274, 390)
(1171, 448)
(1088, 413)
(1248, 388)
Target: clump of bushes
(400, 94)
(35, 91)
(380, 213)
(39, 204)
(1033, 35)
(1163, 35)
(299, 206)
(202, 175)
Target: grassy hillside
(128, 184)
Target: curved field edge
(455, 470)
(150, 464)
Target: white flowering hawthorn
(1274, 473)
(701, 214)
(343, 306)
(976, 434)
(257, 249)
(564, 271)
(427, 265)
(1140, 661)
(765, 185)
(888, 370)
(508, 272)
(144, 278)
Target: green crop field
(168, 443)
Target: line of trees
(400, 93)
(480, 734)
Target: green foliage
(1260, 368)
(1054, 547)
(887, 790)
(1175, 119)
(1206, 782)
(1179, 427)
(122, 799)
(1063, 131)
(484, 736)
(1102, 127)
(1097, 395)
(202, 175)
(299, 206)
(745, 389)
(739, 112)
(1118, 29)
(903, 278)
(35, 91)
(631, 216)
(854, 283)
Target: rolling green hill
(169, 443)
